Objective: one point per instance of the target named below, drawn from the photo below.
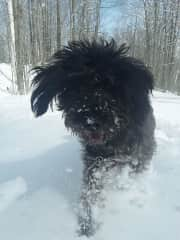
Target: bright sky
(110, 13)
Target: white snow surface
(40, 179)
(5, 77)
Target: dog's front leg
(92, 186)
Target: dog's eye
(98, 94)
(90, 121)
(97, 78)
(116, 120)
(105, 105)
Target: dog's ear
(144, 78)
(46, 86)
(140, 76)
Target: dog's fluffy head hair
(98, 87)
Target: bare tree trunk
(45, 26)
(58, 24)
(82, 19)
(97, 22)
(72, 20)
(147, 30)
(11, 44)
(15, 11)
(32, 37)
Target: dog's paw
(87, 227)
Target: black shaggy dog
(104, 96)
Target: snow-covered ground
(5, 77)
(40, 175)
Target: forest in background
(32, 30)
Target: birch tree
(14, 10)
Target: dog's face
(99, 89)
(93, 109)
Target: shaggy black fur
(104, 96)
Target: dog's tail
(46, 85)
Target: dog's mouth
(94, 138)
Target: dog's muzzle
(94, 137)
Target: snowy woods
(32, 30)
(40, 160)
(154, 36)
(36, 29)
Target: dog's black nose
(96, 125)
(93, 124)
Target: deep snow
(40, 172)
